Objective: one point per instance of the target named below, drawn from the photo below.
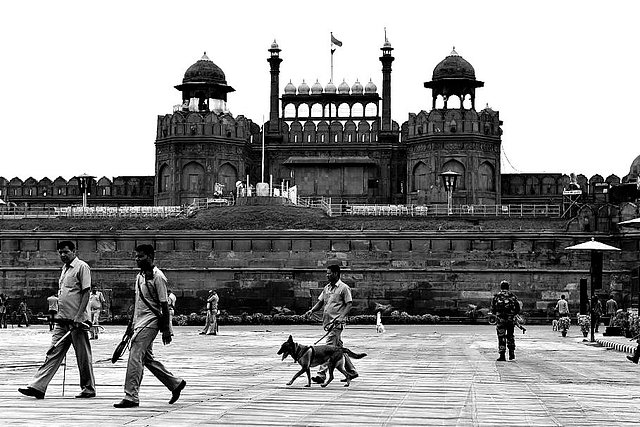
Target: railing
(91, 212)
(547, 211)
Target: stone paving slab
(428, 375)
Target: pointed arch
(456, 166)
(487, 176)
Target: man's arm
(82, 308)
(164, 323)
(345, 311)
(316, 307)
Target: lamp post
(449, 179)
(596, 249)
(84, 182)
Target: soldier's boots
(636, 355)
(501, 358)
(512, 355)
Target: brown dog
(310, 356)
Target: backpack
(505, 303)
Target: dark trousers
(504, 329)
(52, 315)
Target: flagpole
(262, 149)
(331, 59)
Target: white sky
(82, 82)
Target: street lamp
(84, 182)
(596, 249)
(449, 179)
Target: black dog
(310, 356)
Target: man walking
(505, 306)
(71, 326)
(151, 315)
(562, 307)
(336, 302)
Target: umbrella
(592, 245)
(634, 223)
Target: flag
(334, 42)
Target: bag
(123, 345)
(504, 304)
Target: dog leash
(328, 328)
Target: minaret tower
(386, 60)
(274, 113)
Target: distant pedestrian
(52, 301)
(23, 313)
(596, 312)
(3, 310)
(151, 315)
(171, 300)
(96, 303)
(505, 306)
(612, 308)
(211, 325)
(562, 307)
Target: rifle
(518, 321)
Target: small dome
(343, 88)
(316, 88)
(386, 44)
(303, 89)
(289, 89)
(453, 67)
(330, 88)
(274, 45)
(204, 71)
(357, 88)
(370, 87)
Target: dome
(357, 88)
(303, 89)
(290, 89)
(204, 71)
(453, 67)
(330, 88)
(274, 45)
(370, 87)
(344, 88)
(316, 88)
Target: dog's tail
(352, 354)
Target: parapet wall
(253, 271)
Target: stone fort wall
(419, 272)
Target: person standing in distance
(505, 306)
(336, 302)
(96, 304)
(562, 307)
(171, 300)
(53, 309)
(73, 316)
(151, 315)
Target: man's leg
(52, 362)
(511, 341)
(159, 371)
(84, 358)
(501, 331)
(332, 339)
(135, 366)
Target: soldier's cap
(504, 285)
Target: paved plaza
(414, 375)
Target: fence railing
(92, 212)
(440, 210)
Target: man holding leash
(151, 315)
(336, 301)
(72, 325)
(505, 306)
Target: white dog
(379, 325)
